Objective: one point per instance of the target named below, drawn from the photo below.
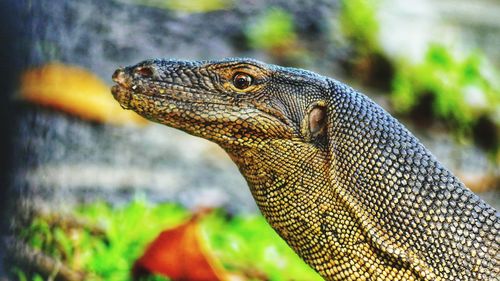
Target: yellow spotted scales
(348, 187)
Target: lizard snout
(121, 91)
(120, 77)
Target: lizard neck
(296, 198)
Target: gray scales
(349, 188)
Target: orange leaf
(179, 254)
(74, 90)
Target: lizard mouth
(126, 89)
(122, 95)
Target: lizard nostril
(119, 76)
(145, 71)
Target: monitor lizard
(347, 186)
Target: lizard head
(234, 102)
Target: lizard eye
(242, 81)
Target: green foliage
(22, 276)
(248, 242)
(272, 29)
(128, 230)
(460, 90)
(242, 243)
(359, 24)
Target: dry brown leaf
(179, 254)
(74, 90)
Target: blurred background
(93, 192)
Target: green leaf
(272, 29)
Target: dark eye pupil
(242, 81)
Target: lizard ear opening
(317, 117)
(314, 124)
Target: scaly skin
(353, 192)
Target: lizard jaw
(122, 95)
